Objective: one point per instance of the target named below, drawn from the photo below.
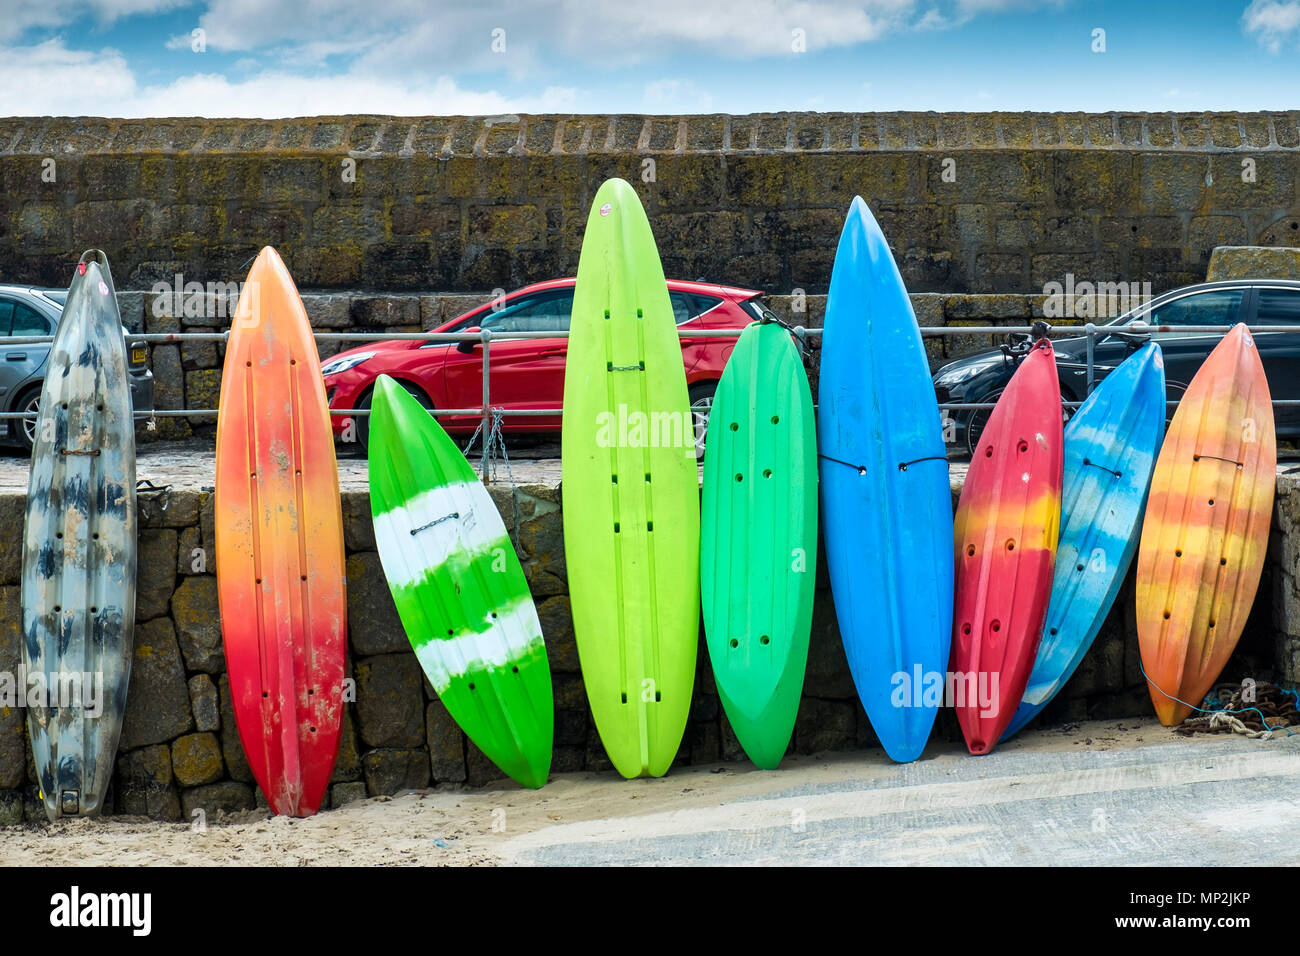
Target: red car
(527, 373)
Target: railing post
(485, 335)
(1090, 329)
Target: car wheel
(25, 428)
(701, 396)
(362, 422)
(979, 417)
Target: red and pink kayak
(1006, 528)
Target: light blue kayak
(886, 500)
(1110, 450)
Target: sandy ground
(504, 824)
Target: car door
(19, 364)
(690, 311)
(1280, 351)
(525, 373)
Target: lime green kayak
(631, 491)
(458, 586)
(758, 538)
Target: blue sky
(415, 57)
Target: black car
(980, 379)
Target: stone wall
(972, 202)
(180, 750)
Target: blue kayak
(886, 498)
(1110, 450)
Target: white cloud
(1271, 21)
(17, 18)
(50, 79)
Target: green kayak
(758, 538)
(458, 586)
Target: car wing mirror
(467, 347)
(1135, 335)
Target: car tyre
(701, 396)
(24, 429)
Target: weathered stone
(390, 708)
(11, 808)
(373, 624)
(144, 784)
(390, 771)
(341, 794)
(188, 541)
(347, 764)
(157, 699)
(824, 725)
(205, 703)
(1253, 262)
(13, 770)
(232, 750)
(196, 759)
(198, 624)
(224, 797)
(13, 511)
(446, 743)
(155, 572)
(358, 525)
(556, 618)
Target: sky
(278, 58)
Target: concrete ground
(1099, 793)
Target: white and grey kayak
(79, 550)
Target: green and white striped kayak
(459, 587)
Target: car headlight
(342, 364)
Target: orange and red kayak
(1205, 533)
(279, 536)
(1006, 527)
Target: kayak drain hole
(767, 472)
(1178, 554)
(1011, 544)
(616, 527)
(735, 643)
(775, 419)
(1211, 502)
(1054, 631)
(1223, 562)
(988, 452)
(625, 698)
(965, 628)
(740, 478)
(970, 550)
(1166, 615)
(1022, 446)
(1078, 567)
(471, 686)
(649, 525)
(1211, 624)
(735, 426)
(764, 639)
(613, 479)
(995, 626)
(514, 670)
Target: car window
(543, 312)
(6, 316)
(1278, 307)
(27, 321)
(1216, 307)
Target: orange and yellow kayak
(1206, 528)
(279, 536)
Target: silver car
(25, 312)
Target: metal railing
(485, 337)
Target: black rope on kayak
(434, 523)
(770, 318)
(902, 465)
(1117, 474)
(1230, 461)
(860, 469)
